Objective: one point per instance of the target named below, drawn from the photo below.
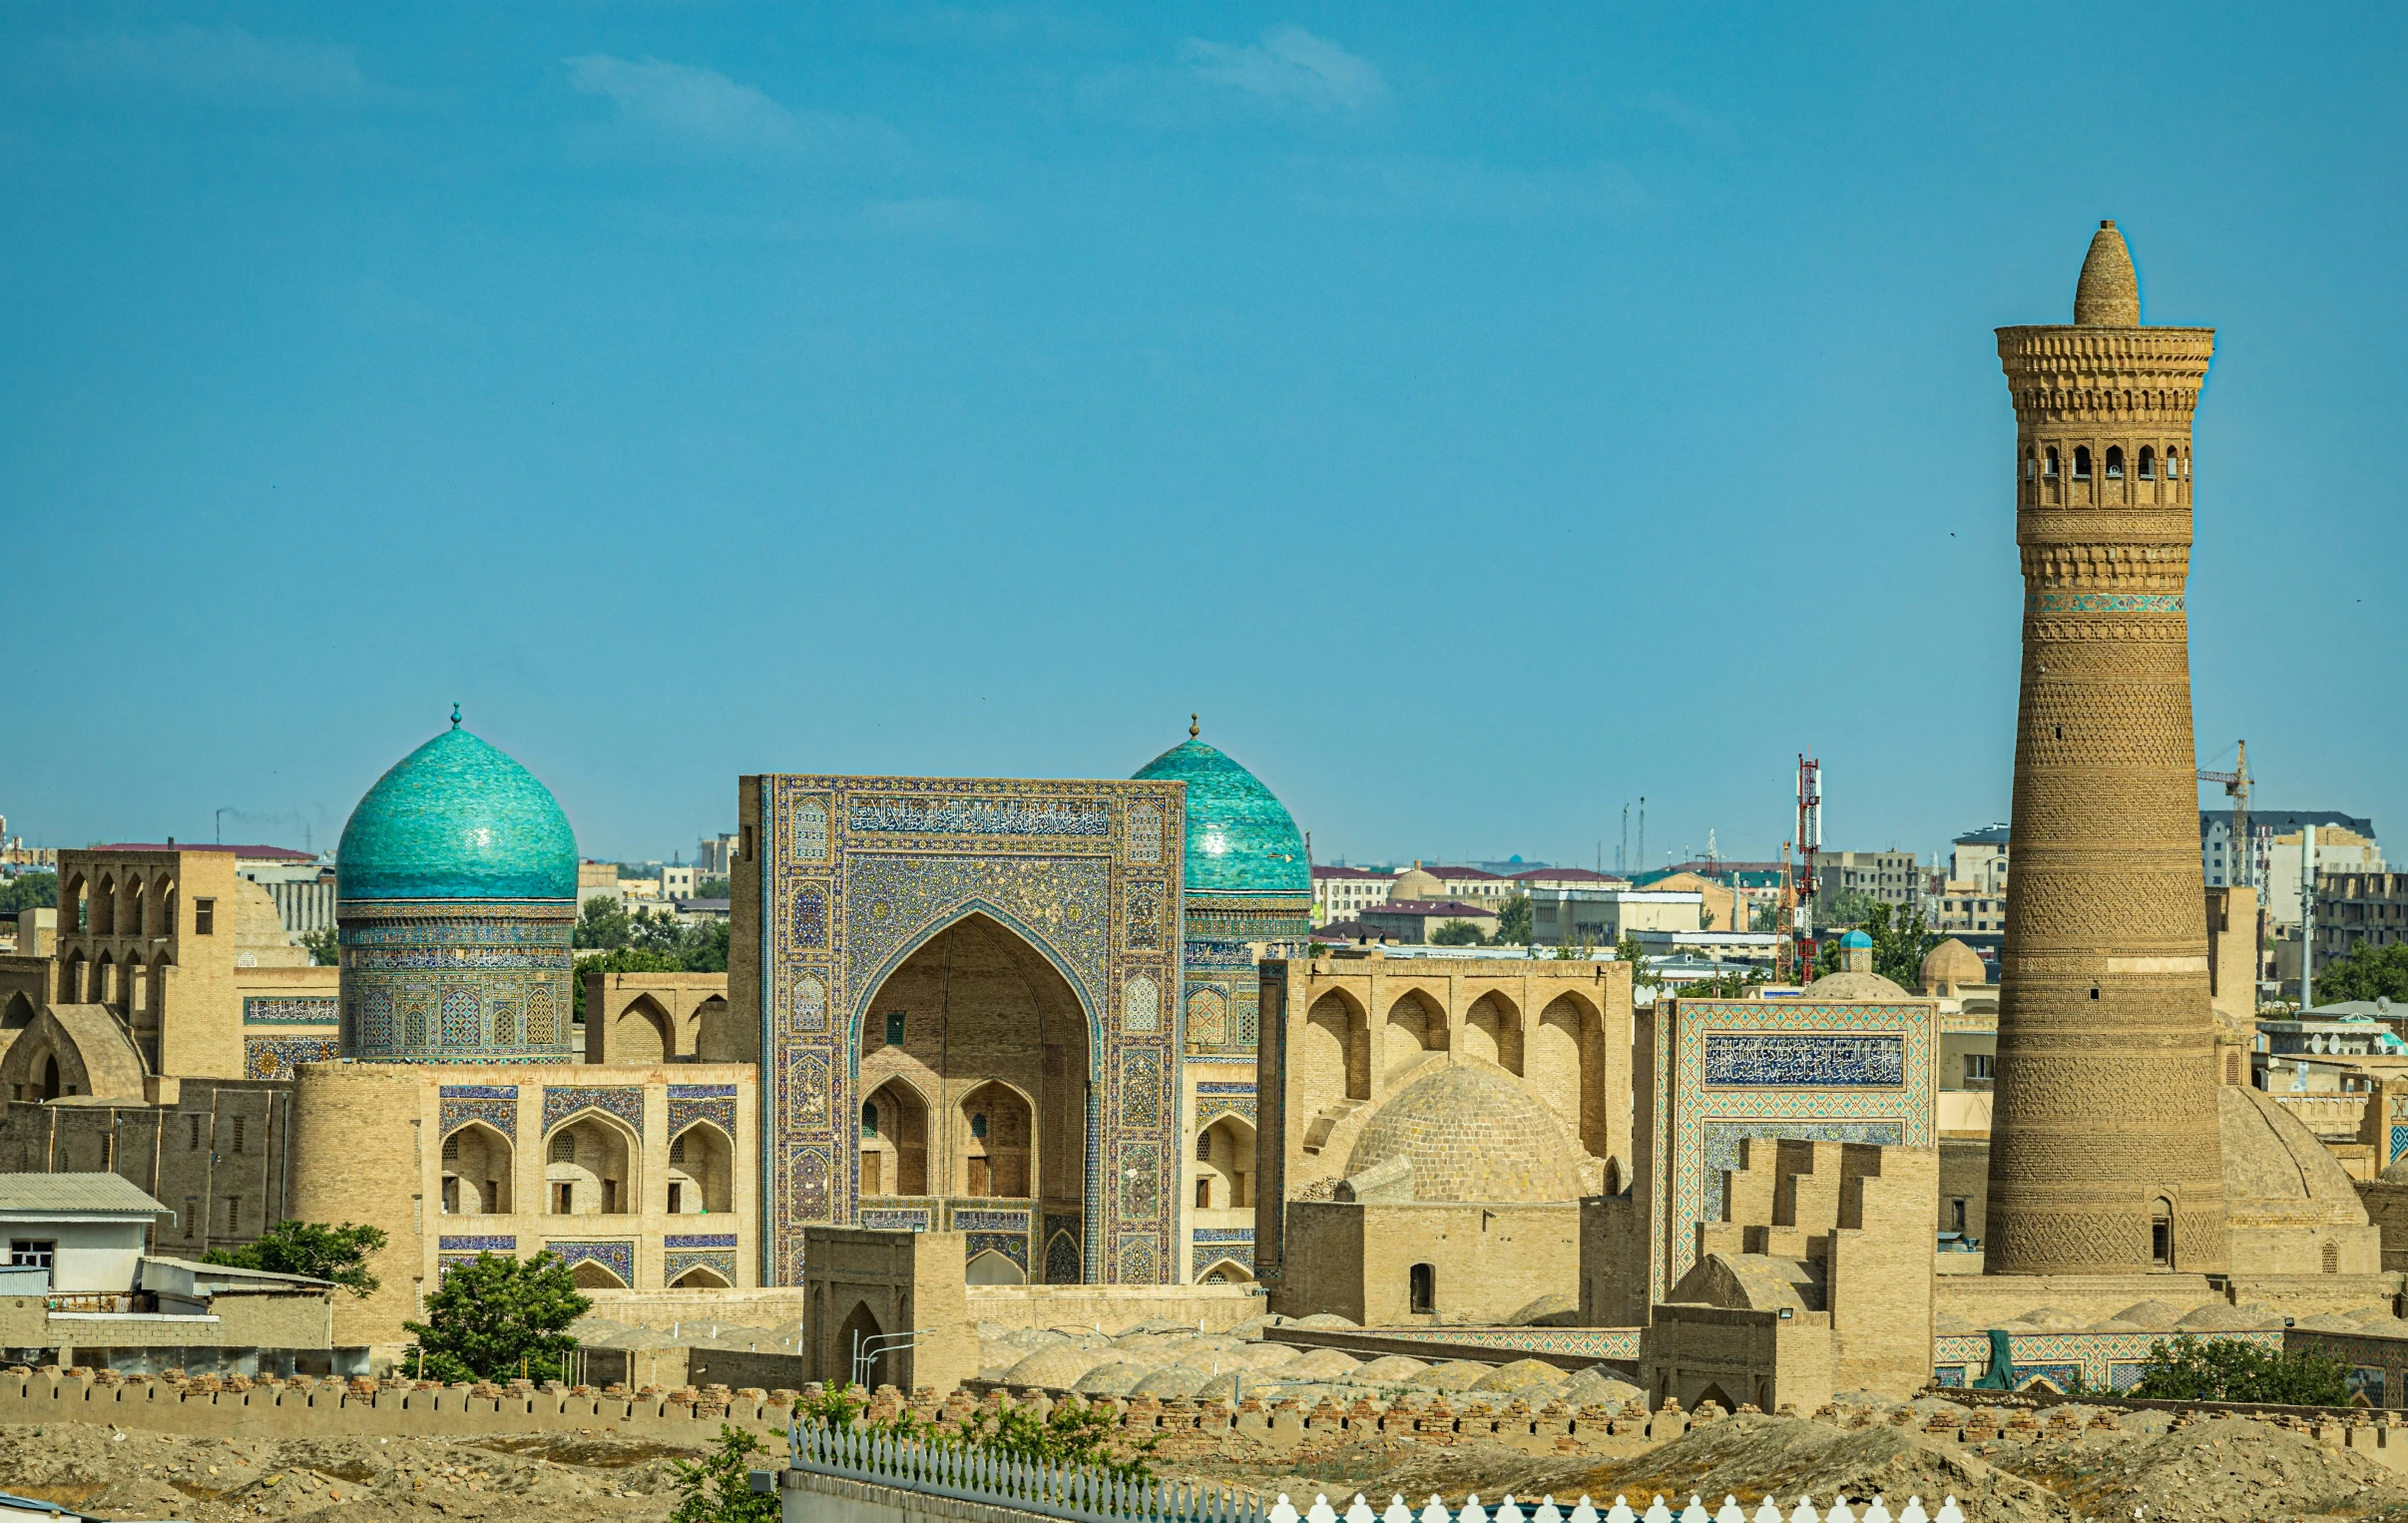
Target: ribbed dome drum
(456, 898)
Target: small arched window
(564, 1148)
(2186, 465)
(869, 1119)
(2082, 462)
(451, 1149)
(2051, 470)
(2160, 1234)
(1203, 1147)
(676, 1149)
(1421, 1287)
(2031, 465)
(978, 1123)
(2148, 463)
(2115, 462)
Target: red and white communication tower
(1809, 839)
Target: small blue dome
(1240, 839)
(1858, 939)
(457, 819)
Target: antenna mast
(1809, 839)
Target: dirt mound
(1742, 1456)
(2211, 1470)
(528, 1478)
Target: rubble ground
(555, 1477)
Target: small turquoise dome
(1858, 939)
(457, 819)
(1240, 839)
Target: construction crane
(2236, 788)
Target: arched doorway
(854, 1337)
(974, 1076)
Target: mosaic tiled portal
(858, 872)
(496, 1105)
(1731, 1068)
(274, 1057)
(690, 1103)
(564, 1101)
(617, 1257)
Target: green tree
(1843, 908)
(324, 944)
(29, 890)
(1512, 922)
(602, 922)
(2371, 972)
(1765, 917)
(1642, 967)
(1072, 1433)
(2223, 1369)
(498, 1315)
(718, 1488)
(339, 1254)
(1733, 984)
(713, 889)
(1457, 933)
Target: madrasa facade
(1024, 1010)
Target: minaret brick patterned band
(2104, 1151)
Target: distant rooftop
(1326, 871)
(254, 853)
(2284, 821)
(1449, 910)
(1988, 835)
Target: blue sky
(1483, 416)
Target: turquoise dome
(1856, 939)
(457, 819)
(1240, 839)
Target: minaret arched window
(2031, 465)
(2148, 463)
(2082, 462)
(2051, 472)
(2115, 462)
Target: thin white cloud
(704, 109)
(1292, 65)
(224, 65)
(1466, 190)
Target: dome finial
(2109, 293)
(455, 715)
(1194, 730)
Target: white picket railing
(1086, 1495)
(1076, 1492)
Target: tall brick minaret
(2103, 1156)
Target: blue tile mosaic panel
(617, 1257)
(976, 816)
(496, 1105)
(1803, 1059)
(1013, 1246)
(457, 981)
(676, 1264)
(274, 1057)
(477, 1244)
(563, 1101)
(690, 1103)
(698, 1240)
(883, 1220)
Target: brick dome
(1471, 1134)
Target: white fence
(1086, 1495)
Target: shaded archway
(476, 1172)
(977, 1010)
(1416, 1028)
(993, 1135)
(1332, 1059)
(700, 1279)
(894, 1140)
(1224, 1169)
(593, 1275)
(1492, 1030)
(854, 1336)
(587, 1168)
(18, 1015)
(701, 1171)
(130, 913)
(992, 1269)
(1228, 1272)
(1567, 1066)
(643, 1033)
(104, 908)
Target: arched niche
(589, 1167)
(477, 1161)
(1224, 1169)
(701, 1171)
(894, 1140)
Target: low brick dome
(1471, 1134)
(1953, 963)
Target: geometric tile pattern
(627, 1104)
(496, 1105)
(885, 864)
(1215, 1244)
(474, 980)
(618, 1258)
(273, 1057)
(690, 1103)
(675, 1263)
